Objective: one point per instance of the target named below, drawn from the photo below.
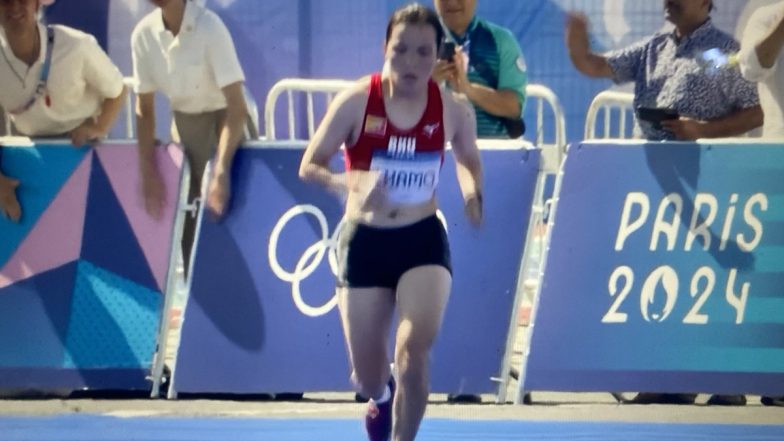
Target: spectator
(186, 52)
(666, 73)
(57, 82)
(762, 61)
(488, 67)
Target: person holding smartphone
(676, 99)
(484, 62)
(668, 77)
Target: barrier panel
(664, 271)
(261, 314)
(82, 275)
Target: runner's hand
(473, 209)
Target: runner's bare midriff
(389, 215)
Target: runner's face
(411, 54)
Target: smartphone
(655, 115)
(447, 51)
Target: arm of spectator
(734, 124)
(506, 100)
(499, 102)
(153, 189)
(578, 44)
(219, 190)
(101, 75)
(110, 108)
(93, 129)
(762, 43)
(224, 63)
(9, 204)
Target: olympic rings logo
(311, 258)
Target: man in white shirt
(79, 98)
(762, 60)
(185, 51)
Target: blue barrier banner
(665, 272)
(82, 275)
(261, 315)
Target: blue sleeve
(512, 70)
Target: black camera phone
(447, 51)
(655, 115)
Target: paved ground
(548, 406)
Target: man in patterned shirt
(667, 73)
(488, 67)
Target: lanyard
(40, 88)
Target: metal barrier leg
(525, 264)
(159, 359)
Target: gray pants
(199, 134)
(5, 124)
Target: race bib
(409, 180)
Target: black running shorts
(370, 257)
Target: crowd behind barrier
(604, 101)
(536, 210)
(548, 140)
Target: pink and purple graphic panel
(83, 274)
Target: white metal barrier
(543, 95)
(311, 87)
(290, 86)
(604, 103)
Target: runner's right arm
(337, 128)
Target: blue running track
(104, 428)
